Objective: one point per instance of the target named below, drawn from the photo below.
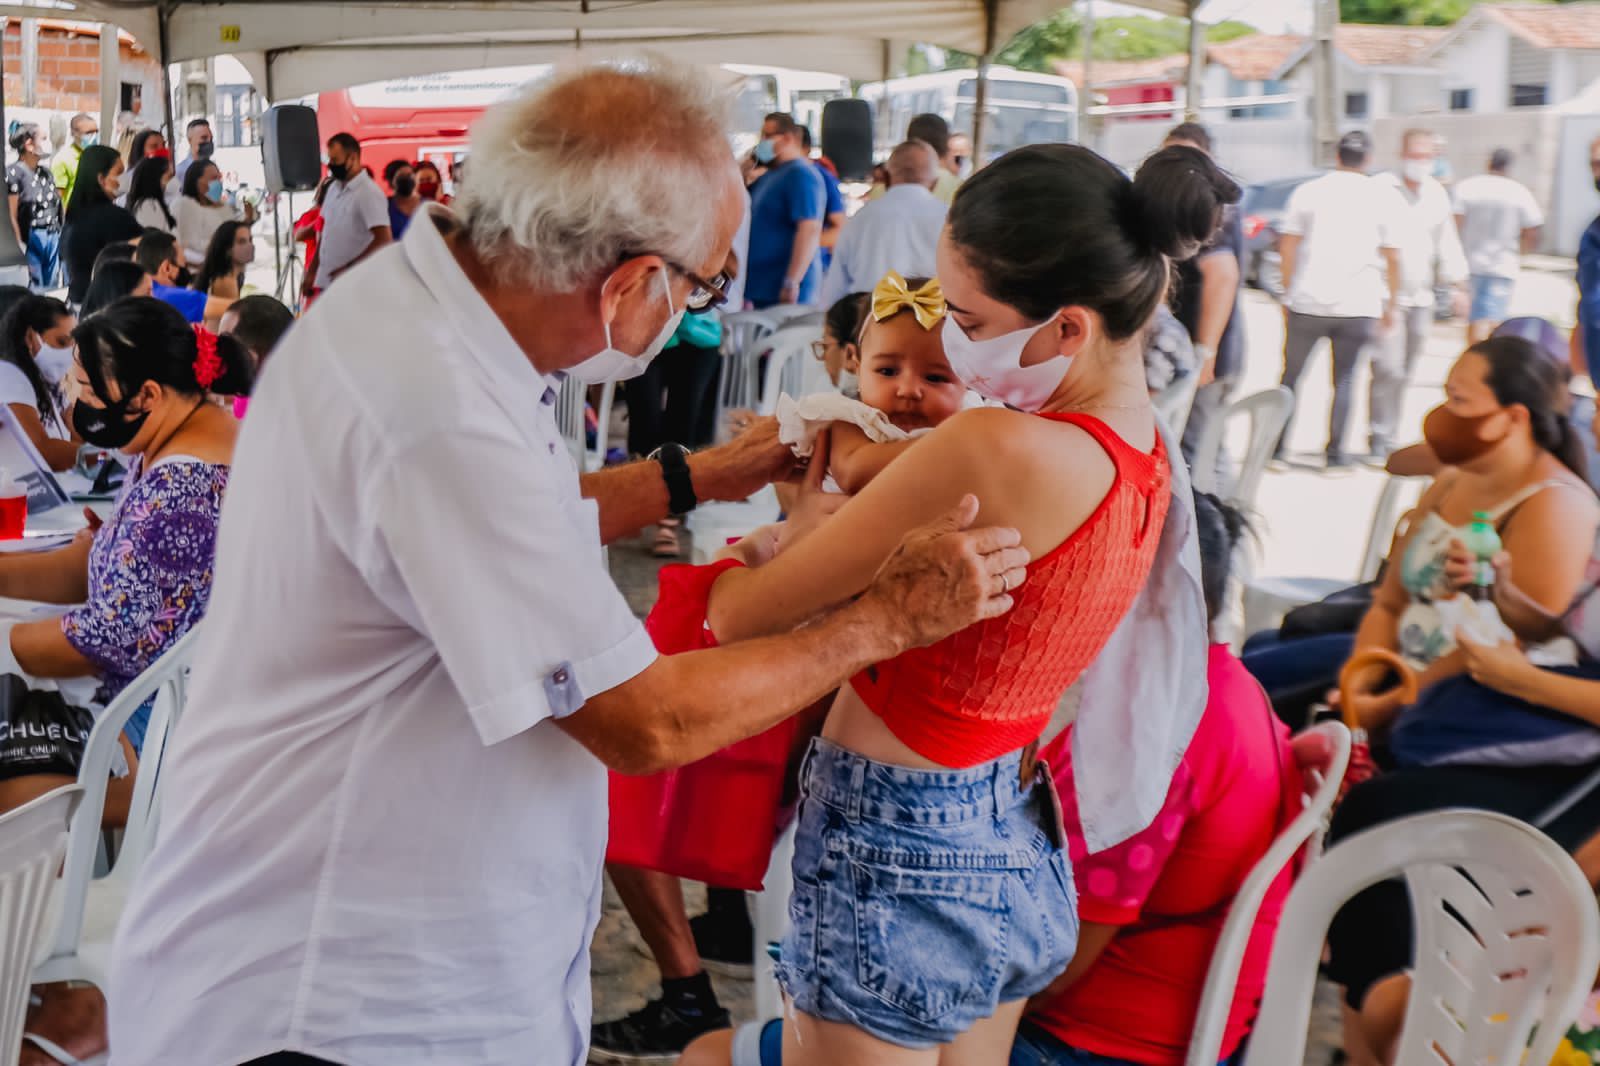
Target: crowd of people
(384, 815)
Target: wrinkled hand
(1460, 564)
(1502, 667)
(943, 577)
(747, 463)
(755, 548)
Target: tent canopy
(296, 48)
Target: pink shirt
(1170, 886)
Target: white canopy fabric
(298, 48)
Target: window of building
(131, 97)
(238, 116)
(1355, 105)
(1461, 99)
(1528, 95)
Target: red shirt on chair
(1168, 889)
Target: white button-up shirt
(898, 231)
(350, 211)
(375, 846)
(1344, 220)
(1430, 247)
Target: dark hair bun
(1175, 203)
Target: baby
(906, 387)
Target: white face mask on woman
(611, 364)
(54, 363)
(993, 368)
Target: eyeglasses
(705, 295)
(819, 350)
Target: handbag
(1338, 612)
(40, 732)
(713, 820)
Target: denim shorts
(922, 899)
(1491, 298)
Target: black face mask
(405, 185)
(204, 149)
(108, 427)
(339, 171)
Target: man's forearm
(806, 241)
(1219, 293)
(684, 707)
(1392, 259)
(634, 495)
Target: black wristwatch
(674, 460)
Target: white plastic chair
(89, 907)
(770, 920)
(791, 367)
(1322, 753)
(1517, 963)
(743, 337)
(32, 840)
(1173, 402)
(571, 404)
(1268, 412)
(1268, 599)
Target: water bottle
(1484, 543)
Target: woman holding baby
(932, 892)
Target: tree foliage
(1404, 12)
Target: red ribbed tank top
(993, 687)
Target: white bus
(801, 93)
(1022, 107)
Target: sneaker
(656, 1032)
(725, 941)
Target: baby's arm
(856, 459)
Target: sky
(1268, 16)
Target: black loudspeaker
(291, 148)
(847, 137)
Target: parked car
(1261, 213)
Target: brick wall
(69, 68)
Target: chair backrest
(1173, 402)
(1506, 931)
(32, 840)
(743, 337)
(166, 681)
(570, 403)
(1322, 754)
(1268, 412)
(788, 360)
(1398, 492)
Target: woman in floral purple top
(144, 379)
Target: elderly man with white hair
(898, 231)
(385, 811)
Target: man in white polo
(897, 231)
(384, 813)
(355, 215)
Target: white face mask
(54, 363)
(1416, 170)
(610, 364)
(993, 368)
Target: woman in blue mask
(203, 207)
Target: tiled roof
(1550, 25)
(1387, 46)
(1257, 57)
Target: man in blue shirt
(834, 216)
(787, 206)
(159, 256)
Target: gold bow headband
(891, 296)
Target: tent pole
(980, 101)
(1197, 64)
(164, 48)
(110, 83)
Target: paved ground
(1310, 522)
